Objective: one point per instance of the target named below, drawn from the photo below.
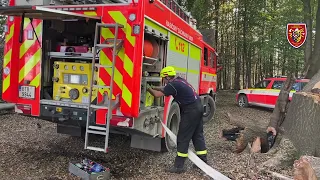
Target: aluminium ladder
(107, 102)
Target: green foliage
(202, 12)
(254, 33)
(2, 23)
(2, 19)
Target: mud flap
(145, 142)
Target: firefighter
(191, 109)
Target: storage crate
(75, 170)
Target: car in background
(265, 93)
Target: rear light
(23, 108)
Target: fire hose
(196, 160)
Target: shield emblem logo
(296, 34)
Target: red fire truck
(85, 66)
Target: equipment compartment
(67, 58)
(154, 56)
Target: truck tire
(173, 122)
(210, 110)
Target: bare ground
(29, 152)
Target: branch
(279, 111)
(278, 175)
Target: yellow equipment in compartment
(149, 99)
(71, 82)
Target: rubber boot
(178, 165)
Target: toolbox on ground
(89, 170)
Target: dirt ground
(31, 152)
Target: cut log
(307, 168)
(246, 122)
(253, 130)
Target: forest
(250, 37)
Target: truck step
(96, 132)
(98, 128)
(96, 149)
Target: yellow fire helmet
(167, 71)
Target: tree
(314, 61)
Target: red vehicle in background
(265, 93)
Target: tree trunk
(237, 66)
(249, 69)
(244, 52)
(314, 63)
(216, 20)
(279, 112)
(308, 21)
(302, 125)
(313, 81)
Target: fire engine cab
(85, 65)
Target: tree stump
(301, 129)
(302, 124)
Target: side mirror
(219, 68)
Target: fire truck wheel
(173, 124)
(242, 101)
(210, 110)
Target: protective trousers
(190, 128)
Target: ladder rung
(98, 107)
(105, 45)
(110, 25)
(102, 66)
(96, 149)
(100, 86)
(150, 58)
(96, 132)
(147, 64)
(97, 128)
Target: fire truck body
(48, 65)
